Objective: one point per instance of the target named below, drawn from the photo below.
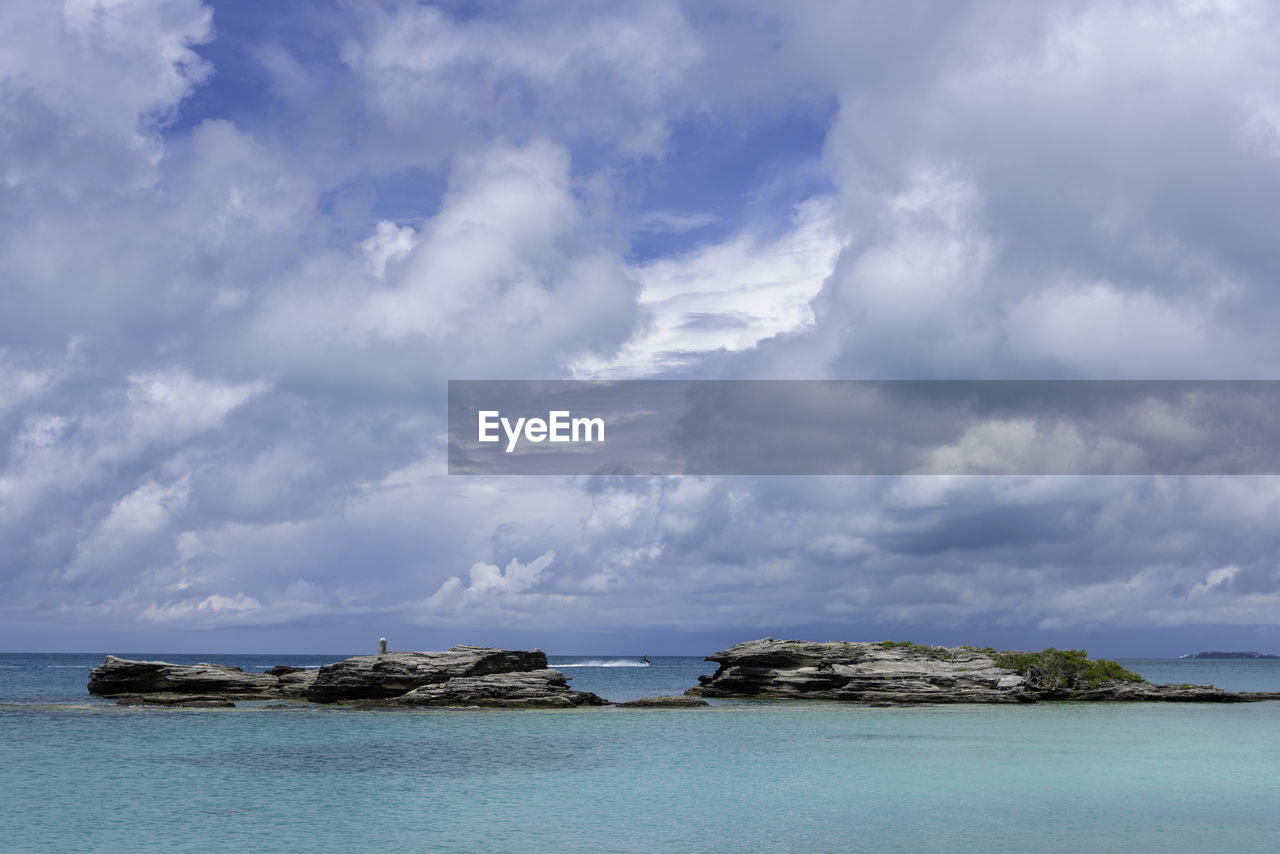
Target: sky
(244, 246)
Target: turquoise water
(744, 776)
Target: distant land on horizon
(1217, 654)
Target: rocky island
(460, 676)
(904, 672)
(885, 672)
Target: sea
(80, 774)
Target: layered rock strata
(460, 676)
(531, 689)
(907, 673)
(117, 677)
(372, 677)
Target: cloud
(78, 452)
(87, 87)
(495, 595)
(506, 273)
(212, 610)
(605, 71)
(1098, 326)
(1035, 198)
(387, 244)
(672, 221)
(1219, 577)
(22, 382)
(133, 521)
(725, 296)
(172, 405)
(240, 260)
(488, 579)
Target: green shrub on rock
(1066, 669)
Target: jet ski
(644, 659)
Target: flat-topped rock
(860, 672)
(1150, 692)
(888, 672)
(1259, 696)
(460, 676)
(376, 677)
(121, 676)
(529, 689)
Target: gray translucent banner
(864, 427)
